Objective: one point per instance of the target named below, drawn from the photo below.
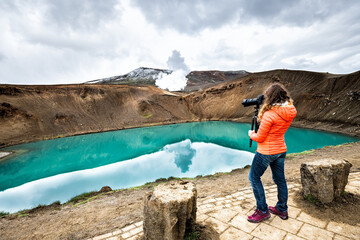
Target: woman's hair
(275, 93)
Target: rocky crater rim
(326, 162)
(33, 113)
(174, 191)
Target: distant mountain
(198, 80)
(139, 76)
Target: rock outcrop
(105, 189)
(170, 211)
(325, 179)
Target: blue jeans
(258, 167)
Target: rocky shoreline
(347, 129)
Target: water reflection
(184, 154)
(183, 159)
(48, 158)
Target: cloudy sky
(72, 41)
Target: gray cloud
(8, 5)
(188, 16)
(85, 14)
(290, 12)
(304, 13)
(264, 9)
(65, 14)
(193, 16)
(66, 24)
(2, 57)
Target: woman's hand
(250, 132)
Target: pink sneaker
(258, 216)
(282, 215)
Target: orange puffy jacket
(274, 123)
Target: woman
(275, 118)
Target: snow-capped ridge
(172, 80)
(141, 75)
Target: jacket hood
(287, 113)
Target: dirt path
(117, 209)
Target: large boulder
(325, 179)
(170, 211)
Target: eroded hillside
(320, 98)
(39, 112)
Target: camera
(257, 102)
(253, 101)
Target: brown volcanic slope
(199, 80)
(323, 101)
(39, 112)
(29, 113)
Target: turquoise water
(46, 171)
